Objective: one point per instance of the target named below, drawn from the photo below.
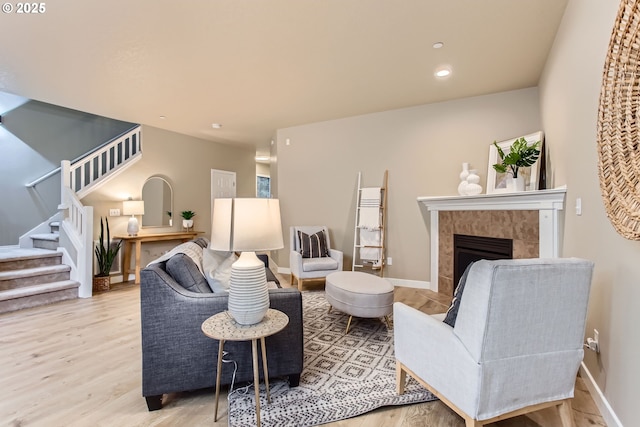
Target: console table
(138, 240)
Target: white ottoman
(359, 294)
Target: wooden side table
(222, 327)
(129, 241)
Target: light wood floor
(78, 363)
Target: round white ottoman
(359, 294)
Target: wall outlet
(389, 261)
(114, 212)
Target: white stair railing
(77, 226)
(90, 172)
(77, 180)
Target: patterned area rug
(344, 375)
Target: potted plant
(105, 255)
(521, 155)
(170, 218)
(187, 219)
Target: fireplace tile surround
(531, 219)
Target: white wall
(423, 149)
(569, 93)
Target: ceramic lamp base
(133, 227)
(248, 291)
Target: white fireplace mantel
(549, 204)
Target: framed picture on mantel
(497, 182)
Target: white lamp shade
(133, 207)
(246, 225)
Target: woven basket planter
(101, 283)
(618, 136)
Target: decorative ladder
(366, 211)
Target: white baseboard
(282, 270)
(418, 284)
(598, 397)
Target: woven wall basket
(618, 136)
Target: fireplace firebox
(467, 249)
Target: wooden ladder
(359, 264)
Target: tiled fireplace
(532, 220)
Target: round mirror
(158, 202)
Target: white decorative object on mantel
(463, 179)
(548, 203)
(473, 184)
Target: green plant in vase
(105, 256)
(187, 219)
(521, 155)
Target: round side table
(223, 327)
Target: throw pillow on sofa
(452, 313)
(217, 268)
(184, 271)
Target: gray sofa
(177, 356)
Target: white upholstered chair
(306, 269)
(516, 344)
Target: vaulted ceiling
(257, 66)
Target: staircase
(32, 277)
(40, 270)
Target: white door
(223, 185)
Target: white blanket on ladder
(370, 238)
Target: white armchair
(306, 269)
(516, 345)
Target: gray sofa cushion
(184, 271)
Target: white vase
(465, 172)
(473, 183)
(187, 223)
(463, 179)
(515, 184)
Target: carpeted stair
(47, 240)
(33, 277)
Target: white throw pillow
(217, 268)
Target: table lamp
(247, 225)
(133, 208)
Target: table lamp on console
(247, 225)
(133, 208)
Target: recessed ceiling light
(438, 45)
(442, 72)
(216, 125)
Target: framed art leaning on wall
(497, 182)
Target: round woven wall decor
(618, 136)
